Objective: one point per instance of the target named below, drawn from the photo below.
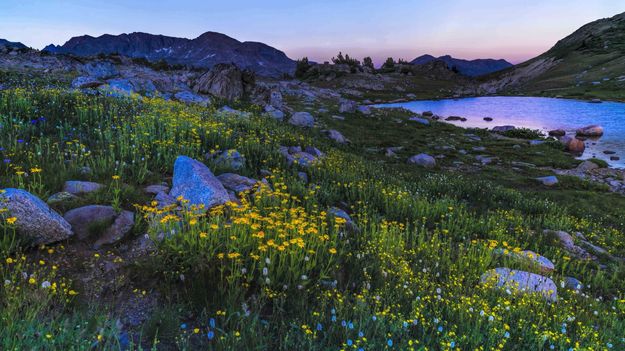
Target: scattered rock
(295, 154)
(548, 180)
(347, 106)
(156, 188)
(609, 152)
(590, 131)
(77, 187)
(336, 136)
(485, 159)
(304, 159)
(302, 119)
(196, 183)
(274, 113)
(488, 119)
(236, 183)
(587, 166)
(571, 283)
(567, 243)
(573, 145)
(231, 159)
(61, 197)
(35, 220)
(557, 132)
(392, 151)
(427, 114)
(225, 81)
(541, 262)
(314, 151)
(423, 160)
(100, 69)
(190, 98)
(164, 200)
(503, 129)
(88, 219)
(520, 281)
(118, 230)
(456, 118)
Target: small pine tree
(368, 62)
(389, 63)
(301, 67)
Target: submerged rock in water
(590, 131)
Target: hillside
(135, 222)
(13, 45)
(590, 63)
(204, 51)
(471, 68)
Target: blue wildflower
(452, 344)
(319, 327)
(210, 335)
(183, 326)
(350, 325)
(361, 334)
(440, 328)
(211, 322)
(349, 342)
(389, 342)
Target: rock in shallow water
(35, 220)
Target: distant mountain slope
(204, 51)
(10, 44)
(472, 68)
(588, 63)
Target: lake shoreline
(537, 113)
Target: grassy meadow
(278, 271)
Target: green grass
(278, 273)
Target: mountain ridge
(205, 51)
(471, 68)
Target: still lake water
(537, 113)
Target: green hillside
(590, 63)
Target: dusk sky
(513, 29)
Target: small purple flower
(20, 140)
(6, 160)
